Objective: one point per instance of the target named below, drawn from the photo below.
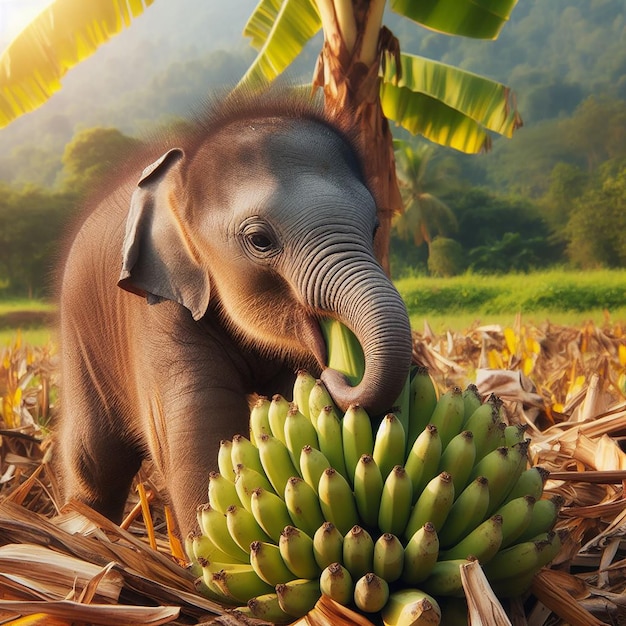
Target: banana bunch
(378, 515)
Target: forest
(553, 195)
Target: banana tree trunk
(348, 72)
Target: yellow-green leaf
(61, 36)
(482, 19)
(420, 113)
(279, 29)
(486, 102)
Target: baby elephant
(201, 280)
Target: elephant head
(265, 218)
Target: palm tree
(424, 213)
(365, 77)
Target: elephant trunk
(366, 301)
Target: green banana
(303, 506)
(471, 401)
(458, 459)
(420, 555)
(214, 526)
(302, 390)
(400, 408)
(411, 607)
(525, 565)
(208, 569)
(312, 465)
(445, 578)
(244, 452)
(276, 462)
(224, 460)
(337, 500)
(448, 414)
(371, 593)
(299, 432)
(270, 512)
(328, 427)
(433, 504)
(368, 489)
(482, 543)
(246, 481)
(205, 550)
(530, 483)
(327, 545)
(276, 415)
(267, 562)
(484, 423)
(395, 502)
(243, 527)
(318, 399)
(544, 516)
(240, 582)
(516, 560)
(358, 552)
(502, 467)
(259, 419)
(423, 459)
(336, 582)
(222, 492)
(388, 557)
(297, 597)
(389, 444)
(357, 436)
(267, 609)
(516, 516)
(514, 433)
(296, 548)
(422, 402)
(468, 510)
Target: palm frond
(61, 36)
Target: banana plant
(366, 79)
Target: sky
(15, 15)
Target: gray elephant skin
(199, 281)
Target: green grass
(27, 315)
(562, 297)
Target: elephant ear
(159, 261)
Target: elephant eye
(261, 242)
(258, 238)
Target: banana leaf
(32, 66)
(481, 19)
(447, 105)
(279, 29)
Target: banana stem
(344, 350)
(369, 46)
(338, 20)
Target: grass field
(562, 297)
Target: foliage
(446, 257)
(424, 213)
(32, 222)
(93, 153)
(596, 230)
(511, 253)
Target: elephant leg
(187, 444)
(96, 460)
(100, 476)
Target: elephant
(198, 281)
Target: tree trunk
(352, 98)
